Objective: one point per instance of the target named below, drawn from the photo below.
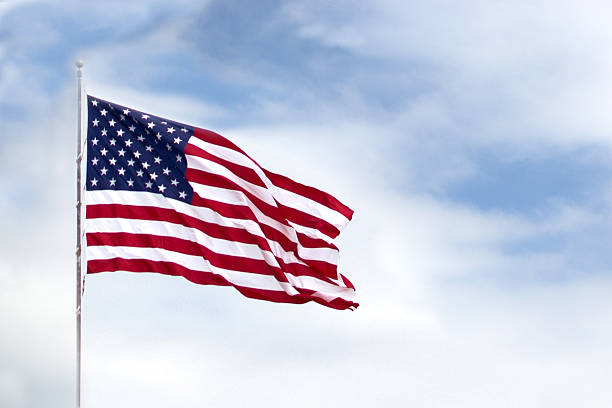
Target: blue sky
(472, 139)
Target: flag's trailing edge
(169, 198)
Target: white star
(103, 151)
(121, 152)
(157, 160)
(104, 131)
(182, 194)
(120, 132)
(95, 122)
(94, 182)
(104, 170)
(94, 161)
(149, 184)
(184, 130)
(174, 182)
(130, 162)
(122, 117)
(171, 130)
(166, 171)
(164, 123)
(126, 111)
(141, 138)
(168, 146)
(179, 158)
(161, 188)
(145, 165)
(145, 116)
(151, 125)
(130, 182)
(103, 112)
(112, 182)
(94, 102)
(139, 173)
(121, 171)
(158, 136)
(112, 122)
(153, 176)
(148, 148)
(94, 141)
(112, 161)
(128, 143)
(137, 154)
(112, 142)
(177, 140)
(132, 128)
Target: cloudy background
(473, 139)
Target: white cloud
(522, 73)
(418, 337)
(452, 314)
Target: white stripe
(319, 254)
(196, 263)
(285, 197)
(199, 163)
(235, 197)
(146, 199)
(168, 229)
(239, 278)
(143, 198)
(299, 202)
(227, 154)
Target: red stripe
(145, 265)
(307, 220)
(279, 180)
(235, 263)
(215, 138)
(314, 194)
(231, 262)
(320, 269)
(243, 212)
(281, 213)
(310, 242)
(245, 173)
(169, 215)
(206, 278)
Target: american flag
(169, 198)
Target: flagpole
(79, 64)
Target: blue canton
(135, 151)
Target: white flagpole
(79, 65)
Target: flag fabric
(169, 198)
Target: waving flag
(169, 198)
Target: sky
(473, 140)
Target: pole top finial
(79, 64)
